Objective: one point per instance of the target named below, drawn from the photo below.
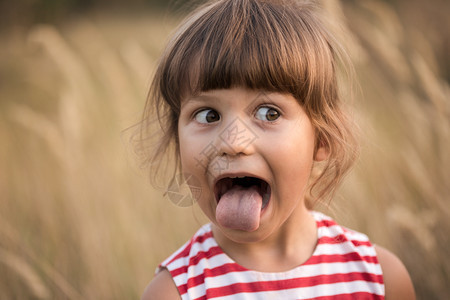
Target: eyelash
(207, 110)
(268, 107)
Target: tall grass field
(78, 217)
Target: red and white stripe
(344, 265)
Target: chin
(245, 237)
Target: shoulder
(398, 284)
(331, 229)
(161, 287)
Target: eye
(267, 114)
(207, 116)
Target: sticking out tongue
(240, 208)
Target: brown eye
(267, 114)
(207, 116)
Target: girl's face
(252, 153)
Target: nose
(236, 137)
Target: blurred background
(78, 218)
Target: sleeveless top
(343, 265)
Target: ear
(322, 152)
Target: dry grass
(77, 217)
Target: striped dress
(344, 265)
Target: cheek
(295, 145)
(292, 160)
(295, 162)
(187, 150)
(192, 165)
(193, 152)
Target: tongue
(240, 208)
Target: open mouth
(226, 184)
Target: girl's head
(272, 46)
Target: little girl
(247, 101)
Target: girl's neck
(286, 248)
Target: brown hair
(276, 46)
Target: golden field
(78, 218)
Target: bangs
(252, 44)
